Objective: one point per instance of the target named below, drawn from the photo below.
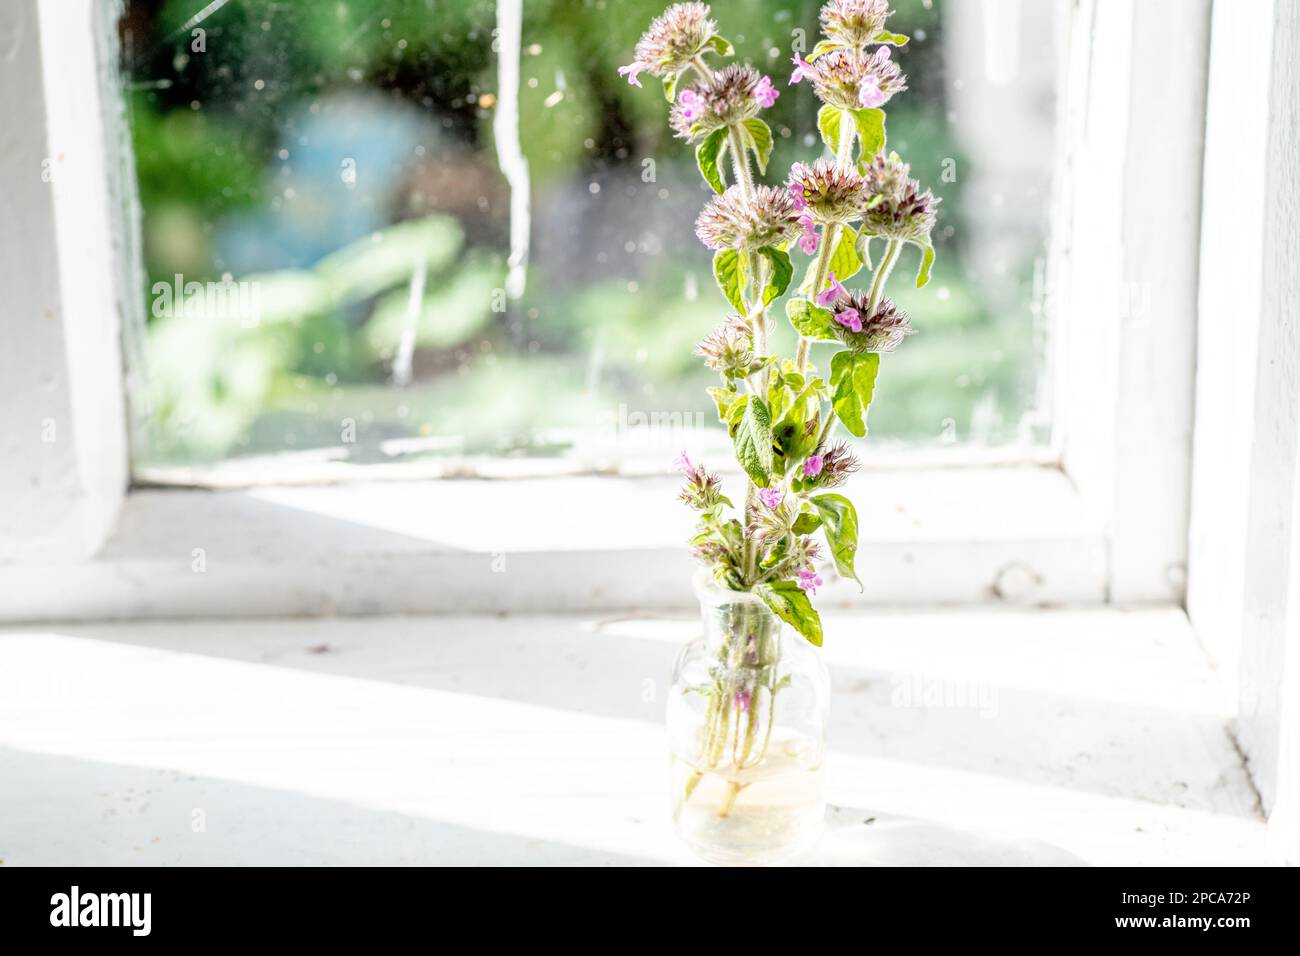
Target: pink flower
(631, 70)
(851, 319)
(832, 292)
(802, 68)
(813, 466)
(692, 105)
(765, 92)
(683, 464)
(810, 581)
(743, 698)
(771, 497)
(808, 241)
(869, 92)
(798, 171)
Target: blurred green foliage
(239, 178)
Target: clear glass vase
(747, 733)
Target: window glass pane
(328, 231)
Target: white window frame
(1244, 584)
(1103, 519)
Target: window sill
(1102, 739)
(1010, 534)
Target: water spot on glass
(593, 188)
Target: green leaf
(723, 398)
(722, 45)
(753, 441)
(825, 46)
(729, 272)
(853, 382)
(893, 39)
(871, 130)
(869, 125)
(708, 156)
(844, 260)
(828, 121)
(806, 523)
(670, 87)
(790, 603)
(811, 321)
(759, 136)
(782, 271)
(840, 521)
(927, 260)
(800, 405)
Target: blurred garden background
(340, 158)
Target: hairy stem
(740, 161)
(830, 233)
(882, 273)
(827, 428)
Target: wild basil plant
(844, 219)
(782, 412)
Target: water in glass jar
(769, 813)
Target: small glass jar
(747, 733)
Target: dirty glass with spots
(449, 237)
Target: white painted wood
(1284, 820)
(62, 417)
(1126, 279)
(1242, 600)
(1271, 520)
(1232, 237)
(948, 536)
(1101, 739)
